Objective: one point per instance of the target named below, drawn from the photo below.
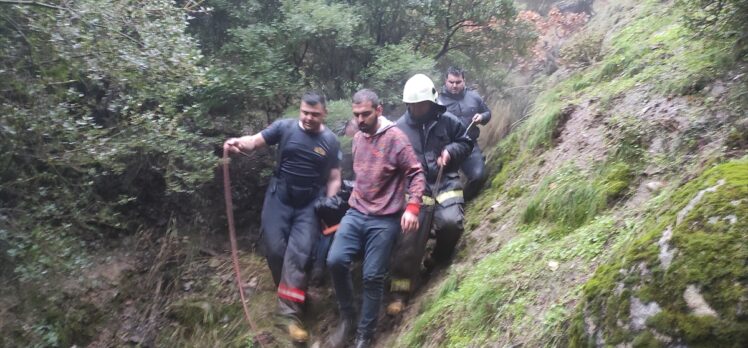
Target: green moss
(615, 179)
(646, 340)
(710, 238)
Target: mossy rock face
(685, 281)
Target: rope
(232, 237)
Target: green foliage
(723, 19)
(506, 159)
(95, 133)
(392, 66)
(570, 198)
(627, 137)
(250, 73)
(314, 18)
(338, 113)
(381, 42)
(35, 252)
(738, 136)
(51, 320)
(582, 50)
(656, 49)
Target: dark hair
(366, 95)
(313, 98)
(455, 71)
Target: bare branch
(192, 4)
(32, 3)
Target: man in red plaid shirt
(385, 165)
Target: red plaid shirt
(384, 164)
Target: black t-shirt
(303, 156)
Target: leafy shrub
(97, 136)
(720, 18)
(582, 50)
(392, 66)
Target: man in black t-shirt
(308, 168)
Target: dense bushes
(93, 125)
(720, 18)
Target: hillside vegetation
(617, 215)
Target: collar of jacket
(384, 124)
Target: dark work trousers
(408, 254)
(474, 168)
(290, 232)
(447, 227)
(375, 236)
(449, 223)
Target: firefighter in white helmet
(440, 142)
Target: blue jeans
(375, 236)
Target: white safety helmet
(419, 88)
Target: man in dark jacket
(439, 140)
(469, 107)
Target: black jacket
(465, 105)
(430, 138)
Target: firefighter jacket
(442, 130)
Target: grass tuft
(567, 200)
